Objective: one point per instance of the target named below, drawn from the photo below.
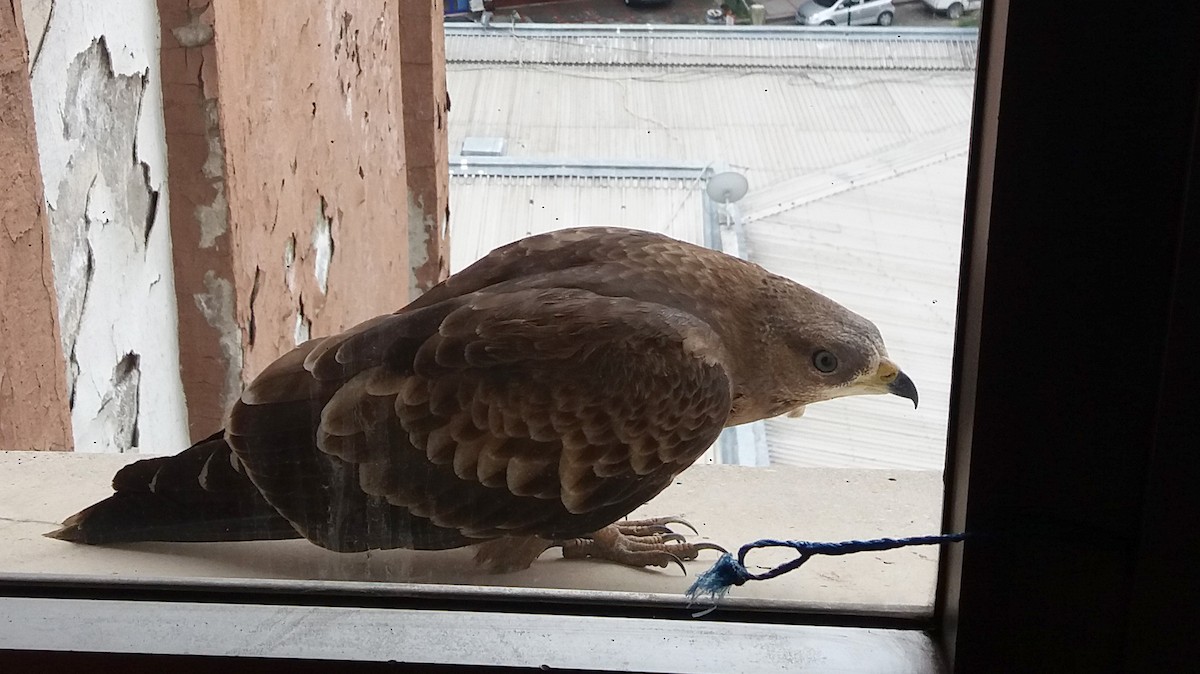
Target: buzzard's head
(807, 348)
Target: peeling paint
(214, 163)
(289, 263)
(252, 328)
(97, 102)
(303, 330)
(213, 217)
(322, 247)
(151, 210)
(427, 246)
(104, 184)
(37, 15)
(194, 34)
(420, 225)
(347, 48)
(218, 305)
(116, 422)
(74, 312)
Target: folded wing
(509, 410)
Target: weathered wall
(33, 388)
(97, 99)
(210, 356)
(311, 116)
(289, 196)
(426, 143)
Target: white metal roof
(888, 250)
(772, 125)
(856, 189)
(490, 211)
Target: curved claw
(646, 530)
(639, 543)
(705, 545)
(660, 521)
(680, 520)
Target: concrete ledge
(730, 505)
(472, 638)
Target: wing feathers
(523, 411)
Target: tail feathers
(197, 495)
(128, 518)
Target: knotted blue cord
(727, 572)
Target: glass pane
(833, 157)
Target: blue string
(727, 572)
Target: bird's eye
(825, 362)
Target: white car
(953, 8)
(846, 13)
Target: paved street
(908, 12)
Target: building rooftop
(511, 207)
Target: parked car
(846, 13)
(953, 8)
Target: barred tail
(197, 495)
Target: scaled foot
(647, 542)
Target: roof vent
(478, 146)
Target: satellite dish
(727, 187)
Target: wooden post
(34, 404)
(210, 342)
(426, 109)
(286, 135)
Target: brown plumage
(546, 391)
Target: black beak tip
(904, 387)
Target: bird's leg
(648, 542)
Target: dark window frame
(1076, 358)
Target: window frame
(1069, 428)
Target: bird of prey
(531, 400)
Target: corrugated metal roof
(492, 211)
(773, 126)
(888, 250)
(856, 189)
(723, 46)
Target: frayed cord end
(716, 582)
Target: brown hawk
(533, 399)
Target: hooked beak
(897, 382)
(904, 387)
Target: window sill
(293, 583)
(728, 504)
